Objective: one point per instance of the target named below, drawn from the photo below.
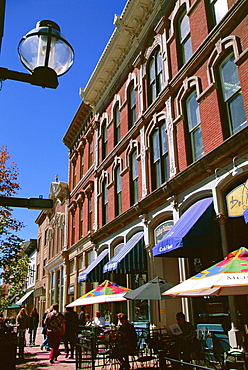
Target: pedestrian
(88, 320)
(55, 330)
(45, 342)
(71, 331)
(81, 316)
(22, 322)
(33, 326)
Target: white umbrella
(226, 278)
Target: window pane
(187, 50)
(220, 9)
(134, 166)
(184, 27)
(118, 181)
(237, 112)
(230, 78)
(156, 146)
(193, 114)
(164, 139)
(152, 73)
(197, 143)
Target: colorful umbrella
(226, 278)
(105, 292)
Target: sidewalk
(36, 359)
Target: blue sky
(34, 120)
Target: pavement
(37, 359)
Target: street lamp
(44, 52)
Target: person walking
(45, 342)
(33, 326)
(22, 323)
(71, 331)
(55, 330)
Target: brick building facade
(162, 126)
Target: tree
(13, 263)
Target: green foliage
(14, 267)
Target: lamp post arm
(42, 76)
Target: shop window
(104, 202)
(231, 98)
(131, 106)
(193, 128)
(184, 40)
(118, 191)
(117, 125)
(160, 156)
(134, 176)
(216, 11)
(72, 267)
(104, 140)
(154, 76)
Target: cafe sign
(237, 200)
(162, 229)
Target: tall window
(154, 76)
(194, 131)
(81, 163)
(184, 40)
(104, 140)
(160, 157)
(104, 202)
(131, 106)
(73, 227)
(81, 220)
(134, 175)
(74, 174)
(232, 98)
(117, 125)
(217, 10)
(90, 159)
(118, 192)
(90, 209)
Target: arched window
(104, 140)
(154, 76)
(231, 97)
(159, 156)
(117, 125)
(90, 156)
(104, 202)
(118, 191)
(184, 40)
(134, 176)
(216, 11)
(193, 128)
(131, 106)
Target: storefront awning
(93, 272)
(196, 229)
(24, 298)
(131, 257)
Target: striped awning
(93, 272)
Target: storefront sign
(162, 229)
(237, 200)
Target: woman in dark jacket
(33, 326)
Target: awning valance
(197, 228)
(131, 257)
(93, 272)
(24, 298)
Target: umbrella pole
(159, 316)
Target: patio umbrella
(150, 291)
(226, 278)
(105, 292)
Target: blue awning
(93, 272)
(197, 228)
(131, 257)
(246, 215)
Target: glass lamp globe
(45, 46)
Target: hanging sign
(237, 200)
